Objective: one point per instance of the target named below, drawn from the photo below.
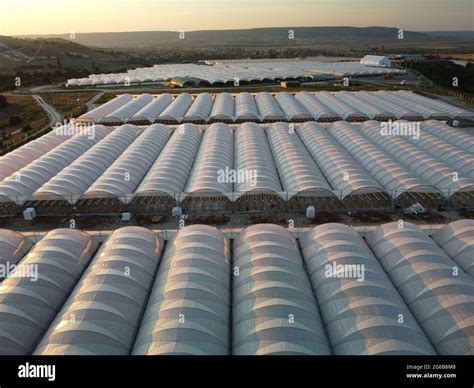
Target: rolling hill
(264, 37)
(30, 49)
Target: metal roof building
(150, 112)
(261, 290)
(252, 153)
(340, 107)
(221, 73)
(13, 246)
(200, 109)
(102, 315)
(384, 168)
(457, 240)
(367, 108)
(175, 112)
(125, 112)
(245, 108)
(29, 152)
(298, 172)
(390, 107)
(451, 110)
(223, 108)
(292, 108)
(267, 107)
(376, 60)
(361, 309)
(41, 170)
(440, 297)
(456, 157)
(274, 310)
(433, 171)
(74, 180)
(261, 166)
(450, 135)
(27, 307)
(214, 156)
(122, 178)
(316, 108)
(103, 110)
(427, 112)
(188, 309)
(169, 173)
(343, 172)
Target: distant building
(72, 82)
(376, 61)
(186, 82)
(408, 58)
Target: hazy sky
(19, 17)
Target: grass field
(28, 111)
(69, 104)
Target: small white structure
(376, 61)
(310, 212)
(73, 82)
(29, 214)
(126, 217)
(176, 212)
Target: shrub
(14, 120)
(3, 101)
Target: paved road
(54, 117)
(91, 103)
(38, 89)
(53, 114)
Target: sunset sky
(19, 17)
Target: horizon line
(234, 29)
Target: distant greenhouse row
(222, 74)
(396, 292)
(265, 107)
(309, 163)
